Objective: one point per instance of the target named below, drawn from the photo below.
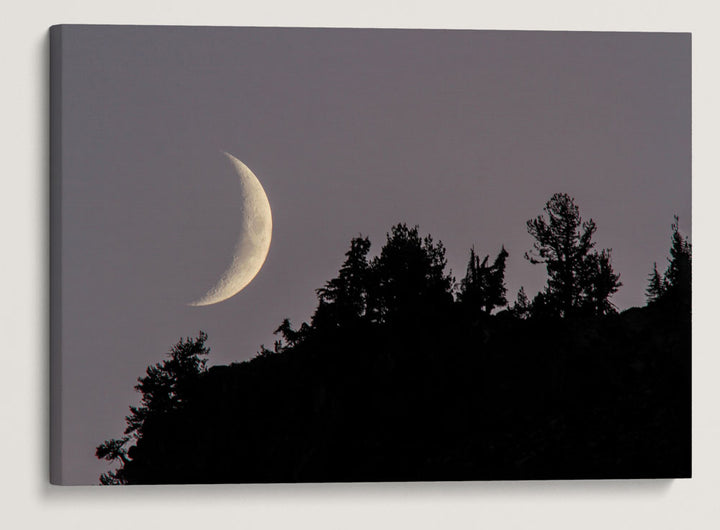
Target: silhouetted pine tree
(675, 286)
(408, 277)
(497, 289)
(521, 307)
(344, 298)
(678, 276)
(166, 388)
(599, 282)
(656, 285)
(579, 279)
(291, 337)
(483, 287)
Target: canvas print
(338, 255)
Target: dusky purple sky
(465, 133)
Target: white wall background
(26, 498)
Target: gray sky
(466, 133)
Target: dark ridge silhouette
(397, 379)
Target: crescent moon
(253, 244)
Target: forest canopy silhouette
(404, 374)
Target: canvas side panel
(55, 254)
